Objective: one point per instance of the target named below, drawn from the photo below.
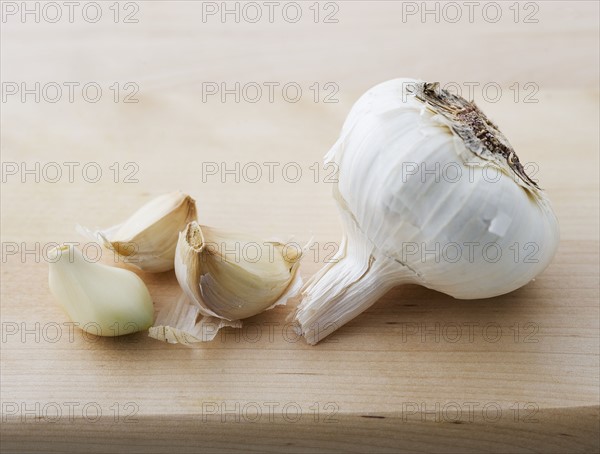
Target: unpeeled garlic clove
(232, 275)
(148, 238)
(102, 300)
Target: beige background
(371, 369)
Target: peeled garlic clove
(232, 275)
(102, 300)
(148, 238)
(403, 224)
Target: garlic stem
(346, 287)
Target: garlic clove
(100, 299)
(148, 238)
(233, 275)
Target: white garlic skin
(100, 299)
(148, 238)
(387, 128)
(230, 285)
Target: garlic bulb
(233, 275)
(482, 229)
(102, 300)
(148, 238)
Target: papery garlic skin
(148, 238)
(234, 275)
(183, 323)
(388, 211)
(101, 300)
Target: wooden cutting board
(419, 371)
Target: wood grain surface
(419, 371)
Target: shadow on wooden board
(566, 430)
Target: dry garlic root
(388, 211)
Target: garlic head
(405, 222)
